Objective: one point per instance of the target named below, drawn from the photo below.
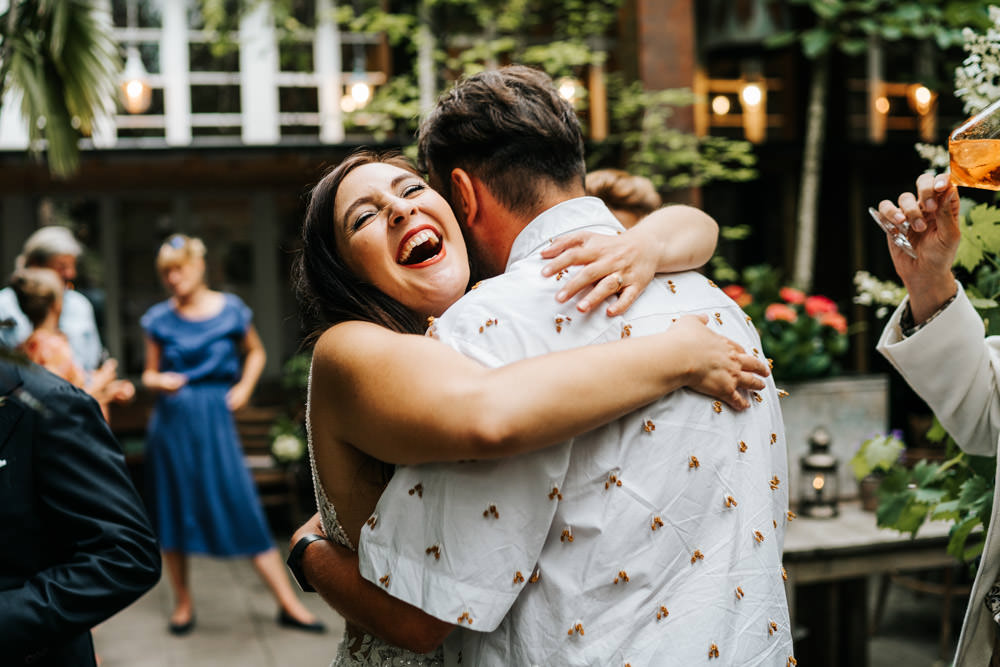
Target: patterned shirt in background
(654, 540)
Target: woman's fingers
(626, 298)
(605, 287)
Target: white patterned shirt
(654, 540)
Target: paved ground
(235, 626)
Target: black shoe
(286, 620)
(181, 629)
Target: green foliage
(847, 25)
(672, 158)
(959, 489)
(877, 454)
(980, 235)
(61, 57)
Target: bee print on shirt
(464, 618)
(696, 556)
(656, 523)
(648, 426)
(418, 490)
(491, 511)
(489, 323)
(622, 576)
(713, 651)
(434, 549)
(662, 613)
(561, 321)
(577, 629)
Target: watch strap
(294, 561)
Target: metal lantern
(819, 486)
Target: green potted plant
(874, 459)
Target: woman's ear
(464, 196)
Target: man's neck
(515, 223)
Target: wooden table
(831, 560)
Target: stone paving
(236, 626)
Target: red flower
(738, 294)
(817, 305)
(792, 295)
(835, 320)
(779, 311)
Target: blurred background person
(78, 545)
(40, 297)
(204, 357)
(629, 197)
(54, 247)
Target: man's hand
(935, 234)
(720, 366)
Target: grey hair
(47, 242)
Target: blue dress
(202, 497)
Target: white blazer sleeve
(952, 365)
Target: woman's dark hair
(327, 290)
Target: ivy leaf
(947, 510)
(959, 535)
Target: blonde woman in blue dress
(204, 357)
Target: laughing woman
(381, 253)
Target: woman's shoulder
(347, 342)
(155, 313)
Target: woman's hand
(622, 265)
(238, 396)
(720, 367)
(933, 214)
(169, 382)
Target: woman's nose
(400, 211)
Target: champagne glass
(974, 154)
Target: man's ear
(464, 195)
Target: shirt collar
(572, 215)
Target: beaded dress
(358, 648)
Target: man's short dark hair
(509, 128)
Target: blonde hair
(179, 249)
(37, 290)
(622, 190)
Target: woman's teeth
(417, 240)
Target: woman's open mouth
(420, 247)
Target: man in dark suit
(77, 546)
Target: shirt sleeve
(962, 392)
(244, 316)
(461, 540)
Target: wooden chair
(277, 485)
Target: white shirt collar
(571, 215)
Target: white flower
(287, 448)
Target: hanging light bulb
(361, 92)
(137, 94)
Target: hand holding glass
(974, 151)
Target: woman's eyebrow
(369, 198)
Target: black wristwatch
(294, 561)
